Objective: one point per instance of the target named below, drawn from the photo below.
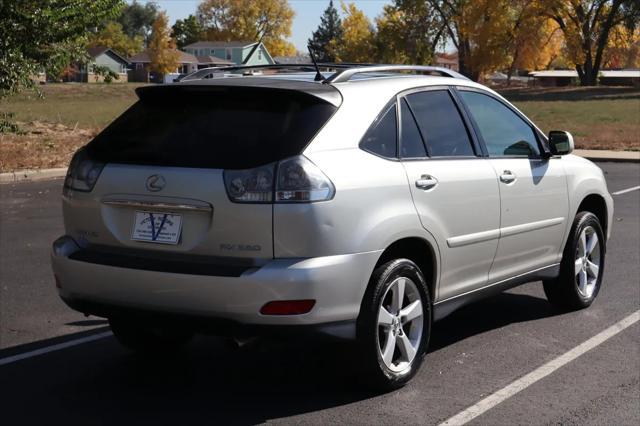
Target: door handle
(507, 177)
(426, 182)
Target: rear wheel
(394, 325)
(582, 265)
(148, 338)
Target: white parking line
(52, 348)
(539, 373)
(624, 191)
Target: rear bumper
(336, 283)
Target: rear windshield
(217, 127)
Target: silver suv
(360, 203)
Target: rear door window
(382, 136)
(411, 144)
(221, 127)
(441, 124)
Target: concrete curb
(611, 156)
(593, 155)
(30, 175)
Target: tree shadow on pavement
(210, 382)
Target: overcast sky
(307, 17)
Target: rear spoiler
(324, 92)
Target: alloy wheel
(400, 322)
(587, 263)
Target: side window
(382, 136)
(503, 131)
(411, 145)
(441, 124)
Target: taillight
(297, 180)
(250, 186)
(301, 181)
(83, 172)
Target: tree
(137, 19)
(113, 36)
(408, 31)
(187, 31)
(535, 40)
(357, 37)
(162, 48)
(328, 34)
(587, 26)
(32, 32)
(268, 21)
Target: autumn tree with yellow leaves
(587, 26)
(162, 48)
(357, 44)
(268, 21)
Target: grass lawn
(70, 114)
(598, 118)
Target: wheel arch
(596, 204)
(419, 251)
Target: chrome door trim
(492, 234)
(531, 226)
(158, 205)
(478, 237)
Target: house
(99, 56)
(553, 78)
(187, 63)
(238, 52)
(446, 60)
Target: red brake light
(287, 307)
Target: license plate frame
(156, 227)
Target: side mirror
(560, 142)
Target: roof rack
(341, 71)
(343, 75)
(211, 71)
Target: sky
(307, 17)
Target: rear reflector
(287, 307)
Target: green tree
(32, 32)
(408, 31)
(113, 36)
(328, 34)
(187, 31)
(162, 48)
(137, 19)
(268, 21)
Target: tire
(148, 339)
(386, 347)
(582, 266)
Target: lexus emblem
(155, 183)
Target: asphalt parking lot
(475, 352)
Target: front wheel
(394, 325)
(582, 265)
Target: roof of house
(205, 60)
(574, 74)
(220, 44)
(96, 51)
(297, 59)
(184, 58)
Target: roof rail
(341, 71)
(205, 72)
(343, 75)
